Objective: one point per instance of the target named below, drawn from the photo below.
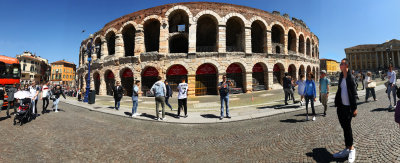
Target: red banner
(110, 75)
(150, 71)
(97, 77)
(206, 69)
(233, 68)
(276, 68)
(258, 68)
(127, 73)
(177, 70)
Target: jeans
(33, 104)
(160, 100)
(117, 104)
(182, 103)
(134, 107)
(167, 103)
(288, 92)
(393, 91)
(310, 98)
(324, 100)
(345, 115)
(370, 91)
(45, 103)
(56, 103)
(11, 103)
(226, 100)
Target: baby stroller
(24, 112)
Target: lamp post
(89, 49)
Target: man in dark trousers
(10, 93)
(346, 103)
(287, 88)
(362, 80)
(118, 90)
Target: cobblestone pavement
(80, 135)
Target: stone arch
(302, 71)
(149, 76)
(207, 33)
(134, 24)
(313, 71)
(127, 79)
(316, 51)
(176, 18)
(308, 46)
(109, 79)
(236, 72)
(301, 43)
(260, 76)
(208, 12)
(312, 48)
(174, 75)
(308, 69)
(206, 79)
(292, 40)
(278, 73)
(97, 44)
(111, 39)
(156, 17)
(235, 34)
(214, 63)
(183, 8)
(240, 16)
(151, 27)
(97, 83)
(276, 23)
(83, 49)
(277, 38)
(258, 37)
(292, 71)
(128, 35)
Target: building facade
(199, 41)
(374, 57)
(330, 66)
(33, 68)
(63, 72)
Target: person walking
(346, 103)
(2, 94)
(362, 80)
(159, 91)
(370, 87)
(183, 88)
(57, 91)
(223, 88)
(310, 94)
(324, 90)
(391, 86)
(168, 95)
(10, 99)
(355, 78)
(45, 97)
(301, 83)
(118, 90)
(34, 90)
(287, 88)
(135, 98)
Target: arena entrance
(149, 77)
(175, 74)
(292, 72)
(96, 77)
(110, 82)
(234, 73)
(258, 78)
(278, 73)
(206, 80)
(127, 81)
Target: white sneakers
(56, 111)
(313, 118)
(351, 154)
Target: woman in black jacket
(57, 91)
(168, 95)
(118, 92)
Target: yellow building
(330, 66)
(63, 72)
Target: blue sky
(52, 29)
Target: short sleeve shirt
(392, 77)
(224, 91)
(182, 88)
(324, 84)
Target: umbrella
(22, 94)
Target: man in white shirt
(391, 86)
(33, 89)
(183, 88)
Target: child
(310, 93)
(301, 83)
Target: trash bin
(92, 97)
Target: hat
(323, 71)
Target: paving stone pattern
(80, 135)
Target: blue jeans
(56, 103)
(134, 107)
(167, 103)
(226, 99)
(116, 105)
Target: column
(269, 42)
(164, 35)
(247, 42)
(103, 88)
(382, 61)
(139, 41)
(376, 60)
(91, 81)
(222, 38)
(361, 61)
(285, 50)
(398, 59)
(271, 78)
(393, 62)
(119, 46)
(192, 38)
(104, 49)
(387, 58)
(192, 85)
(249, 81)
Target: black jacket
(169, 91)
(58, 92)
(287, 83)
(118, 92)
(351, 89)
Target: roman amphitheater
(199, 41)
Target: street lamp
(89, 49)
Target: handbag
(371, 85)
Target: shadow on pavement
(148, 116)
(380, 109)
(110, 107)
(171, 114)
(3, 118)
(292, 120)
(128, 113)
(279, 106)
(322, 155)
(209, 116)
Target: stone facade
(200, 41)
(33, 68)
